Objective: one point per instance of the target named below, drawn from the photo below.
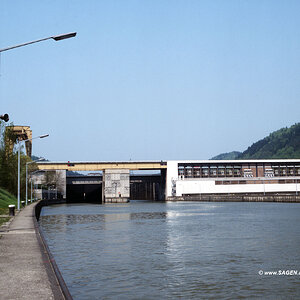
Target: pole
(29, 162)
(24, 44)
(19, 150)
(56, 187)
(31, 189)
(26, 185)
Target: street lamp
(19, 151)
(54, 37)
(30, 162)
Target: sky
(150, 79)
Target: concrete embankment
(238, 198)
(27, 269)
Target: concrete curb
(27, 268)
(54, 274)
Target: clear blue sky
(150, 79)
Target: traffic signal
(70, 164)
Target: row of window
(280, 181)
(236, 171)
(209, 172)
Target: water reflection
(174, 250)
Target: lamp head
(43, 136)
(64, 36)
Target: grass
(4, 220)
(6, 199)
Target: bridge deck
(99, 166)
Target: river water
(188, 250)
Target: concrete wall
(172, 175)
(208, 186)
(116, 185)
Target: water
(177, 250)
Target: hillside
(283, 143)
(227, 156)
(6, 199)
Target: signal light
(70, 164)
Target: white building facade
(205, 177)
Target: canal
(189, 250)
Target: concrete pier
(26, 270)
(116, 186)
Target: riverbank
(26, 270)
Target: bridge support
(115, 186)
(163, 186)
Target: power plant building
(199, 177)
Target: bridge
(102, 165)
(184, 179)
(115, 179)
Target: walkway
(25, 270)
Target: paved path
(25, 271)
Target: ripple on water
(175, 250)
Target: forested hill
(283, 143)
(227, 156)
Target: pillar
(116, 186)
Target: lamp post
(30, 162)
(54, 37)
(30, 188)
(19, 154)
